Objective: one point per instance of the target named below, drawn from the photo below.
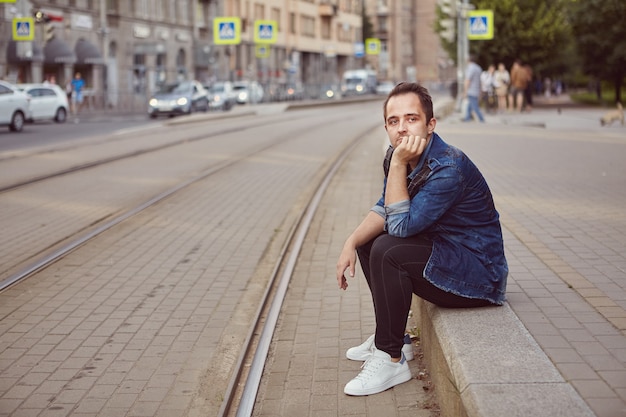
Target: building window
(292, 23)
(307, 26)
(140, 8)
(139, 74)
(183, 12)
(259, 11)
(325, 28)
(158, 11)
(112, 6)
(275, 16)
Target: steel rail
(294, 244)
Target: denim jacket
(451, 203)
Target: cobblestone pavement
(559, 182)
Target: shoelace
(370, 367)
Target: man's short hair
(417, 89)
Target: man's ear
(431, 125)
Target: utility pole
(104, 32)
(462, 49)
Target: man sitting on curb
(435, 233)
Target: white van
(359, 81)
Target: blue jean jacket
(451, 203)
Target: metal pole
(104, 32)
(462, 48)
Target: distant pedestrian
(77, 92)
(488, 88)
(519, 83)
(528, 91)
(472, 90)
(503, 80)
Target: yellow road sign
(372, 46)
(480, 24)
(262, 50)
(265, 31)
(23, 29)
(227, 31)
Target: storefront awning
(14, 56)
(57, 51)
(87, 53)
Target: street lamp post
(104, 32)
(462, 45)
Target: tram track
(64, 244)
(254, 351)
(126, 155)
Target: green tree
(600, 33)
(534, 31)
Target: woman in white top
(502, 81)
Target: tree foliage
(534, 31)
(600, 32)
(556, 38)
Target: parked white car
(47, 102)
(14, 107)
(248, 92)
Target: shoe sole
(396, 380)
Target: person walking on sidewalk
(473, 89)
(434, 232)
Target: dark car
(184, 97)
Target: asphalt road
(40, 134)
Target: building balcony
(327, 10)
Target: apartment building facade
(410, 47)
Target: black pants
(394, 268)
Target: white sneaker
(378, 374)
(364, 350)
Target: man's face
(405, 117)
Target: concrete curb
(484, 363)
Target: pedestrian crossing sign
(372, 46)
(265, 31)
(262, 50)
(23, 29)
(227, 31)
(480, 25)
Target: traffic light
(48, 31)
(447, 20)
(41, 17)
(47, 19)
(448, 32)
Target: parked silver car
(248, 92)
(184, 97)
(222, 95)
(14, 107)
(47, 102)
